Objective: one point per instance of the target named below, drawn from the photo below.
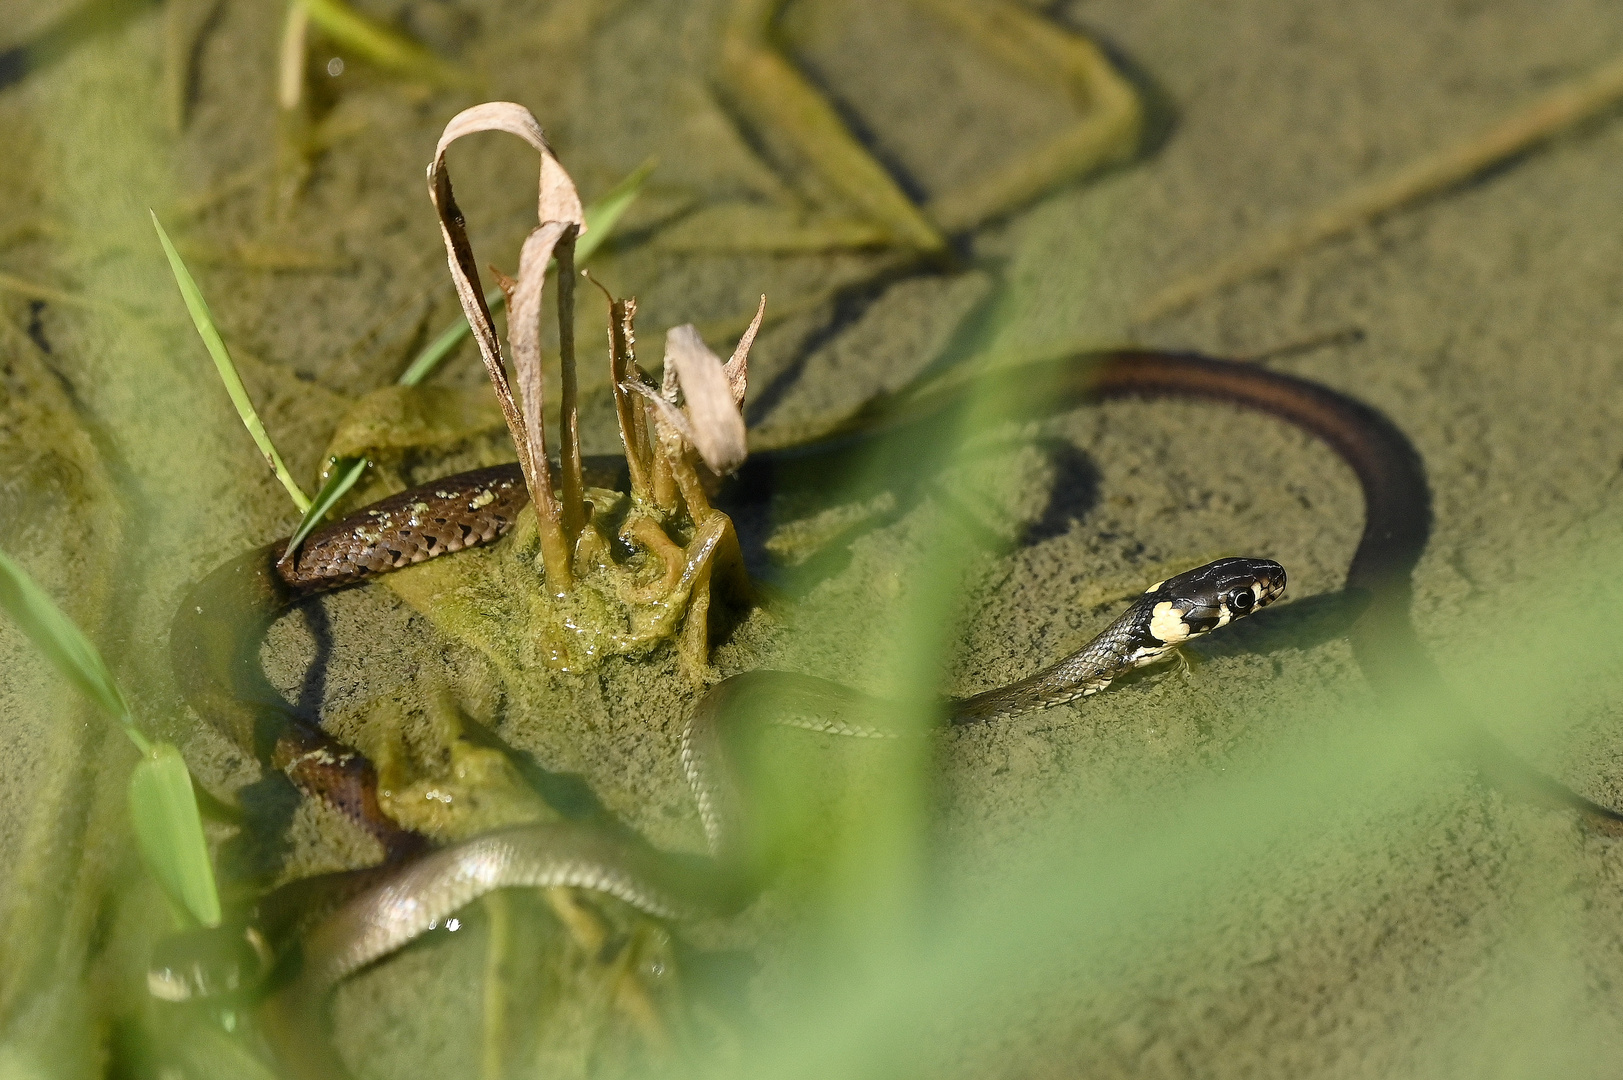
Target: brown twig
(622, 358)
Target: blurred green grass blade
(601, 217)
(445, 341)
(345, 472)
(204, 1052)
(605, 213)
(63, 644)
(169, 832)
(204, 322)
(162, 807)
(378, 44)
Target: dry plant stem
(737, 368)
(644, 441)
(574, 511)
(465, 274)
(709, 419)
(524, 335)
(1516, 133)
(621, 358)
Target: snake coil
(219, 627)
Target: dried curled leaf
(716, 427)
(559, 201)
(561, 218)
(738, 368)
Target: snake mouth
(1270, 587)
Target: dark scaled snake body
(219, 627)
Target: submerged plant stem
(621, 360)
(687, 481)
(498, 946)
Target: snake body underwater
(219, 627)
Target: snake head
(1199, 601)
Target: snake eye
(1241, 600)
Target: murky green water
(1243, 871)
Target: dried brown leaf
(524, 338)
(465, 276)
(558, 199)
(559, 212)
(717, 425)
(738, 368)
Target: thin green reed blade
(204, 321)
(345, 472)
(54, 634)
(169, 832)
(601, 217)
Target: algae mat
(1237, 872)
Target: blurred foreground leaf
(54, 634)
(162, 806)
(170, 833)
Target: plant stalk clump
(623, 571)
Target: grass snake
(219, 627)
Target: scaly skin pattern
(1171, 613)
(440, 518)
